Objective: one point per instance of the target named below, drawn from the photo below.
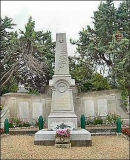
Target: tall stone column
(62, 108)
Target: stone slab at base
(78, 138)
(63, 145)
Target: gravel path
(103, 147)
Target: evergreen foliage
(107, 44)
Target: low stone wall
(99, 103)
(28, 106)
(31, 106)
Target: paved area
(103, 147)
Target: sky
(56, 16)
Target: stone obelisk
(62, 108)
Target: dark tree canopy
(27, 58)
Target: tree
(6, 58)
(31, 53)
(85, 77)
(81, 72)
(94, 42)
(107, 43)
(38, 53)
(93, 45)
(99, 82)
(121, 48)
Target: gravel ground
(103, 147)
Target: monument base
(68, 118)
(63, 145)
(78, 138)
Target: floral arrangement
(62, 126)
(63, 133)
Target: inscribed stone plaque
(63, 101)
(37, 109)
(102, 107)
(89, 108)
(12, 108)
(24, 110)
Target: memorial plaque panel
(62, 102)
(37, 109)
(102, 107)
(89, 108)
(24, 110)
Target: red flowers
(126, 131)
(1, 130)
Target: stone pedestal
(57, 118)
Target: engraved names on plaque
(102, 107)
(37, 109)
(89, 108)
(62, 102)
(24, 110)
